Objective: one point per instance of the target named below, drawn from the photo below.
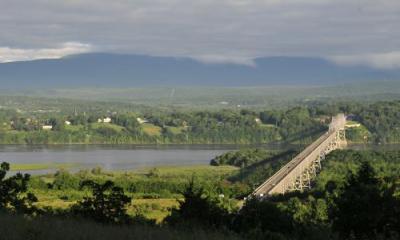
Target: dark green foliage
(107, 203)
(13, 192)
(262, 218)
(364, 209)
(242, 158)
(14, 227)
(260, 170)
(57, 124)
(383, 120)
(107, 132)
(198, 209)
(64, 180)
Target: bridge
(298, 173)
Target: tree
(13, 192)
(107, 205)
(358, 212)
(198, 209)
(57, 124)
(264, 217)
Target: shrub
(107, 205)
(13, 192)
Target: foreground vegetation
(17, 227)
(356, 196)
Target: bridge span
(298, 173)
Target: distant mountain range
(113, 70)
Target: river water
(127, 157)
(113, 157)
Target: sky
(347, 32)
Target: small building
(257, 120)
(67, 123)
(142, 120)
(47, 127)
(352, 125)
(104, 120)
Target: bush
(13, 192)
(107, 205)
(197, 209)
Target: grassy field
(40, 166)
(188, 171)
(357, 132)
(151, 129)
(107, 125)
(156, 208)
(74, 128)
(352, 123)
(176, 130)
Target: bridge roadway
(296, 167)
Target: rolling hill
(114, 70)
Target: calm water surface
(128, 157)
(125, 157)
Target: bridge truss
(301, 170)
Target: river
(125, 157)
(111, 157)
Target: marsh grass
(40, 166)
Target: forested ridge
(112, 123)
(153, 127)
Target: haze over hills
(113, 70)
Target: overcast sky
(363, 32)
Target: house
(142, 120)
(257, 120)
(47, 127)
(353, 125)
(67, 123)
(104, 120)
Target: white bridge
(298, 173)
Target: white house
(104, 120)
(47, 127)
(352, 125)
(142, 120)
(67, 123)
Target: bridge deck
(287, 170)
